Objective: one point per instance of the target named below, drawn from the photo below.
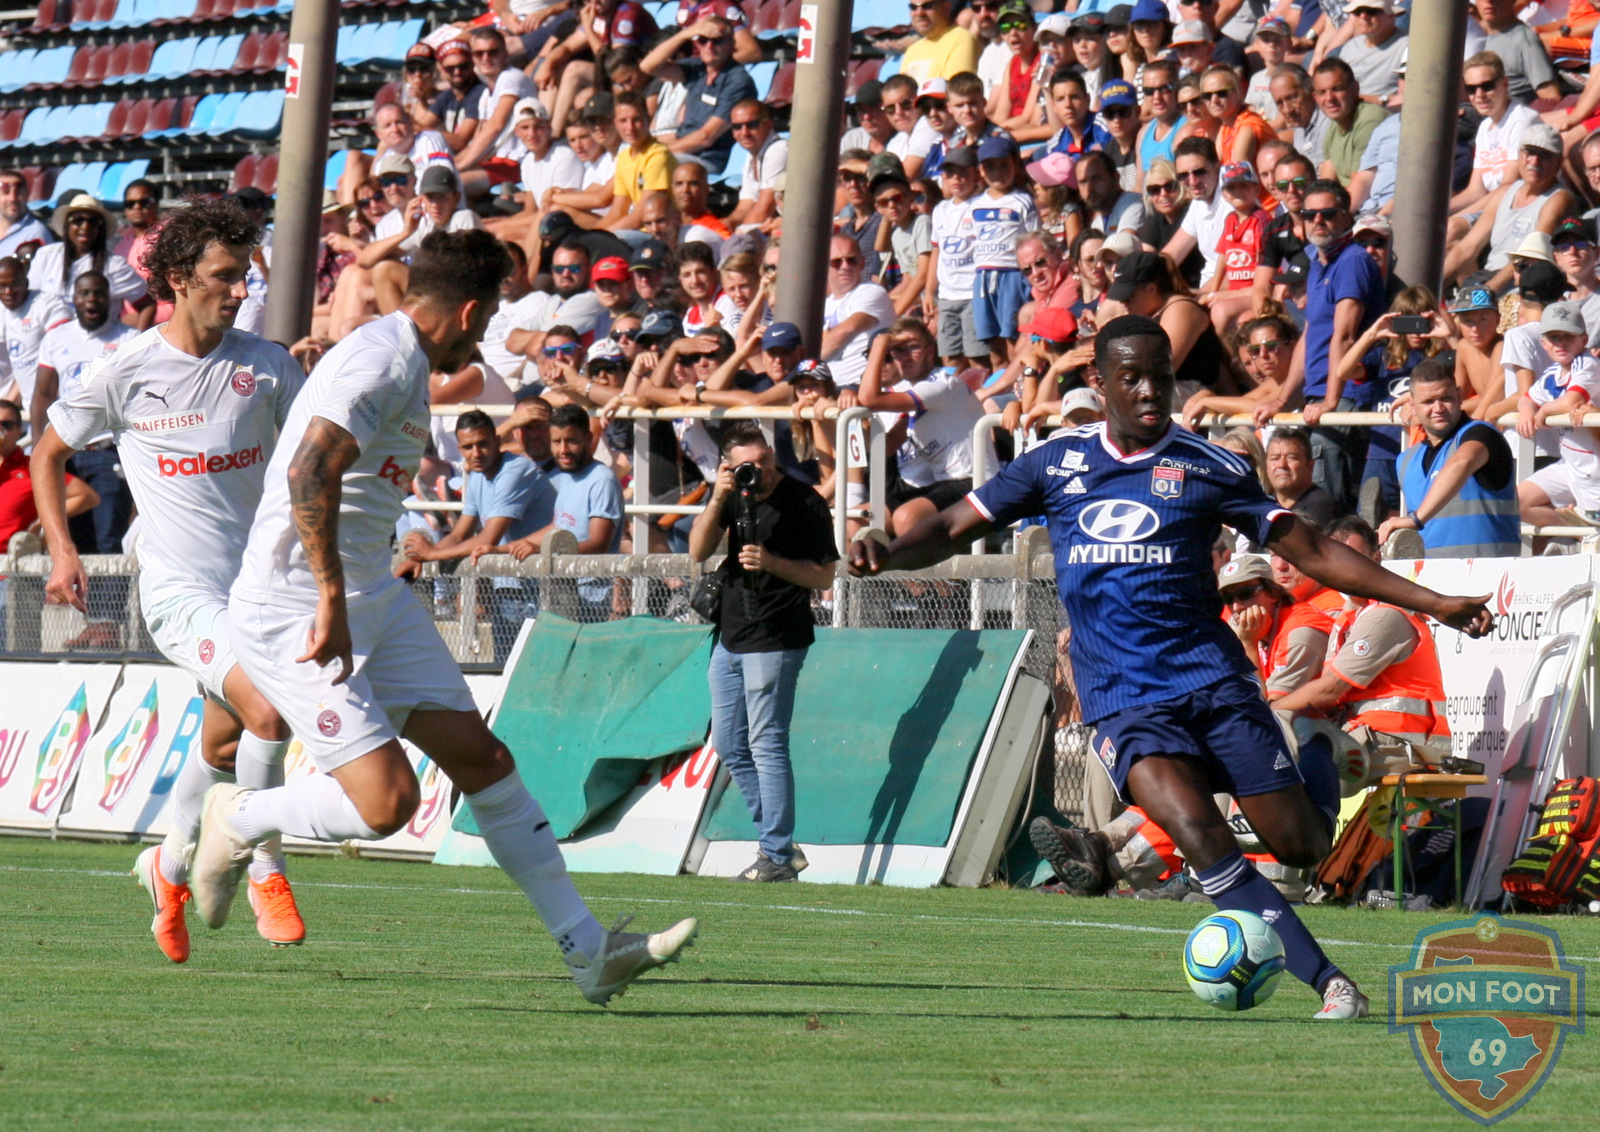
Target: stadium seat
(790, 20)
(122, 15)
(40, 183)
(104, 13)
(267, 174)
(227, 54)
(738, 162)
(203, 10)
(109, 187)
(761, 74)
(117, 124)
(276, 54)
(11, 125)
(117, 63)
(159, 121)
(19, 64)
(406, 34)
(225, 117)
(79, 66)
(139, 60)
(781, 92)
(45, 17)
(138, 115)
(204, 53)
(260, 114)
(173, 11)
(99, 63)
(56, 125)
(244, 173)
(249, 52)
(335, 167)
(183, 113)
(860, 74)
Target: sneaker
(220, 855)
(1179, 886)
(169, 928)
(1077, 856)
(766, 870)
(277, 918)
(797, 859)
(624, 956)
(1342, 1001)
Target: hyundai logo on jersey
(1118, 520)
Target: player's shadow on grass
(800, 1013)
(913, 741)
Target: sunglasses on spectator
(932, 5)
(390, 180)
(702, 40)
(1185, 103)
(769, 269)
(455, 66)
(1039, 264)
(1008, 24)
(1368, 13)
(1243, 593)
(1291, 183)
(419, 66)
(752, 124)
(1481, 88)
(1373, 241)
(489, 54)
(844, 261)
(1213, 95)
(367, 202)
(1256, 349)
(566, 269)
(1323, 214)
(1116, 112)
(1152, 91)
(846, 176)
(565, 350)
(1194, 175)
(905, 106)
(629, 335)
(985, 6)
(139, 202)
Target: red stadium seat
(781, 93)
(267, 174)
(104, 11)
(138, 117)
(203, 10)
(11, 124)
(117, 64)
(161, 115)
(224, 9)
(139, 57)
(767, 17)
(280, 53)
(79, 67)
(99, 60)
(790, 20)
(40, 182)
(250, 51)
(860, 74)
(184, 114)
(244, 173)
(387, 93)
(117, 124)
(46, 15)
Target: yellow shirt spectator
(941, 57)
(645, 172)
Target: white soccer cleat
(1342, 1001)
(624, 956)
(220, 855)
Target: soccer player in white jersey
(195, 407)
(349, 656)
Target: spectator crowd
(1012, 178)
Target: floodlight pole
(1427, 140)
(302, 160)
(814, 124)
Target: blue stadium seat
(95, 118)
(738, 162)
(341, 43)
(67, 180)
(32, 126)
(54, 126)
(145, 12)
(380, 48)
(225, 115)
(360, 46)
(124, 15)
(51, 66)
(890, 68)
(261, 114)
(17, 67)
(161, 61)
(182, 59)
(227, 53)
(112, 189)
(88, 180)
(176, 9)
(205, 51)
(75, 124)
(761, 74)
(203, 111)
(405, 38)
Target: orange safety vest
(1302, 614)
(1158, 841)
(1405, 700)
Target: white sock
(259, 765)
(196, 777)
(514, 827)
(316, 807)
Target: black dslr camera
(747, 476)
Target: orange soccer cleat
(172, 934)
(277, 918)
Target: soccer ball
(1233, 960)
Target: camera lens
(747, 475)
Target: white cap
(1058, 24)
(1536, 246)
(1191, 31)
(529, 106)
(1121, 243)
(932, 88)
(1541, 136)
(1352, 5)
(1083, 400)
(1562, 318)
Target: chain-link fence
(479, 609)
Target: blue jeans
(752, 703)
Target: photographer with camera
(780, 548)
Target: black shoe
(1076, 855)
(767, 870)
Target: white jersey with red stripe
(194, 436)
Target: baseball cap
(648, 256)
(1562, 318)
(1372, 222)
(438, 179)
(1238, 171)
(1118, 92)
(869, 94)
(1091, 23)
(394, 163)
(781, 336)
(1573, 231)
(1012, 10)
(961, 157)
(996, 146)
(811, 368)
(455, 47)
(529, 106)
(1542, 283)
(1190, 31)
(1472, 299)
(1054, 169)
(607, 350)
(658, 324)
(1053, 324)
(422, 51)
(556, 226)
(1541, 136)
(1135, 270)
(1060, 23)
(1274, 25)
(1118, 15)
(933, 88)
(1080, 403)
(1292, 272)
(1245, 568)
(602, 105)
(1352, 5)
(1535, 245)
(613, 268)
(1121, 242)
(885, 164)
(1150, 11)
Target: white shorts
(193, 633)
(401, 665)
(1567, 490)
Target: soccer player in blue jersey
(1134, 505)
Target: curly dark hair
(182, 237)
(453, 267)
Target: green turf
(429, 998)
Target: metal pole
(1427, 140)
(302, 160)
(820, 57)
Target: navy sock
(1234, 886)
(1321, 778)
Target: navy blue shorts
(1226, 725)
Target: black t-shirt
(792, 522)
(1279, 244)
(1158, 229)
(454, 108)
(1497, 469)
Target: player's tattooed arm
(316, 483)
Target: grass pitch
(429, 998)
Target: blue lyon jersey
(1132, 537)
